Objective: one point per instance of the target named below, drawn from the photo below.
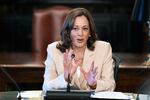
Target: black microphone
(68, 84)
(69, 81)
(72, 56)
(13, 81)
(68, 95)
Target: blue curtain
(138, 11)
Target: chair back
(116, 61)
(46, 27)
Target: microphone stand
(69, 81)
(68, 85)
(13, 81)
(137, 98)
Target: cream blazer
(102, 57)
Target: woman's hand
(90, 76)
(70, 66)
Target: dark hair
(68, 25)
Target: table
(132, 72)
(24, 68)
(38, 95)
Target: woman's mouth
(80, 40)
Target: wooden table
(132, 72)
(27, 70)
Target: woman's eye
(75, 29)
(85, 29)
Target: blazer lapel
(88, 57)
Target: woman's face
(80, 32)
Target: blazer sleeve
(51, 78)
(106, 81)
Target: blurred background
(123, 23)
(117, 21)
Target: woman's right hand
(67, 64)
(70, 66)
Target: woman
(79, 58)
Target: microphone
(72, 56)
(13, 81)
(69, 81)
(68, 95)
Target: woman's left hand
(90, 75)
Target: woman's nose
(80, 32)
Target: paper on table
(109, 95)
(31, 94)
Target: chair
(116, 62)
(46, 27)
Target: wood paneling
(112, 19)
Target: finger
(92, 66)
(74, 66)
(68, 55)
(66, 61)
(95, 69)
(66, 50)
(94, 74)
(65, 56)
